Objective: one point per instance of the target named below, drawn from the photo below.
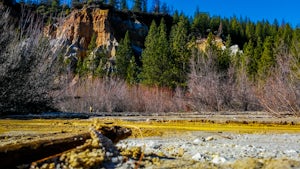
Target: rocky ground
(215, 150)
(228, 140)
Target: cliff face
(109, 26)
(78, 28)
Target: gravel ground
(194, 149)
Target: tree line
(133, 5)
(165, 60)
(263, 74)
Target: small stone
(199, 157)
(197, 141)
(210, 138)
(218, 160)
(115, 160)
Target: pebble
(200, 157)
(210, 138)
(218, 160)
(197, 141)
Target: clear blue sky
(287, 10)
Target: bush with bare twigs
(281, 91)
(115, 95)
(28, 67)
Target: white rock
(197, 141)
(210, 138)
(199, 157)
(218, 160)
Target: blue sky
(287, 10)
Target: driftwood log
(26, 153)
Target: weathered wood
(25, 153)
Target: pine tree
(123, 56)
(124, 5)
(75, 3)
(144, 5)
(132, 70)
(165, 8)
(267, 60)
(102, 69)
(150, 70)
(250, 59)
(223, 60)
(180, 52)
(164, 60)
(156, 6)
(156, 57)
(258, 49)
(54, 6)
(137, 6)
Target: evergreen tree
(175, 17)
(223, 60)
(165, 8)
(258, 49)
(54, 7)
(267, 60)
(123, 56)
(259, 31)
(137, 6)
(150, 70)
(113, 3)
(250, 59)
(75, 3)
(164, 61)
(180, 52)
(124, 5)
(132, 71)
(287, 34)
(200, 25)
(156, 58)
(156, 6)
(250, 30)
(144, 5)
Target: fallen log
(24, 153)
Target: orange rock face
(80, 26)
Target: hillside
(99, 57)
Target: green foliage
(112, 3)
(144, 5)
(250, 59)
(180, 52)
(200, 24)
(124, 57)
(124, 5)
(137, 6)
(132, 72)
(224, 58)
(92, 45)
(103, 68)
(156, 58)
(267, 60)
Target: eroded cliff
(106, 24)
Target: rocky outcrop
(106, 24)
(79, 27)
